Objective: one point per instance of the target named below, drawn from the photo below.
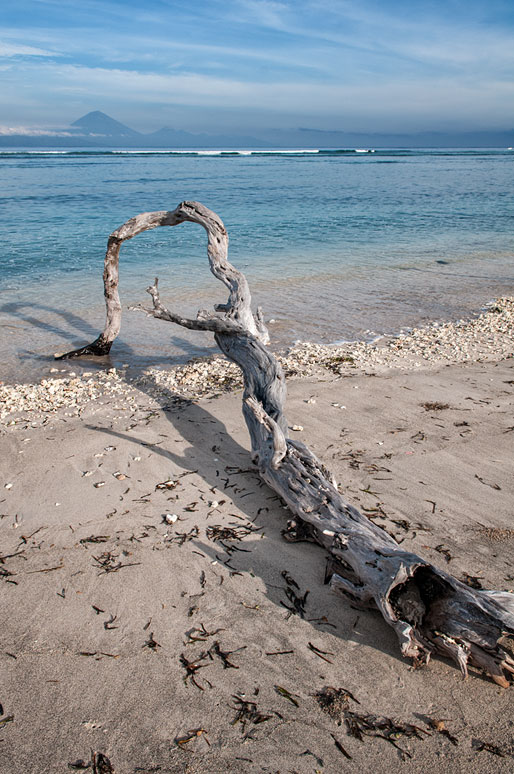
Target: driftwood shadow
(72, 328)
(224, 464)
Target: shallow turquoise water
(334, 245)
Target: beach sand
(117, 571)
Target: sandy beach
(148, 610)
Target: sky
(243, 65)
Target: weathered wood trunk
(430, 610)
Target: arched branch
(238, 306)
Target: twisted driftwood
(430, 610)
(217, 250)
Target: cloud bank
(368, 66)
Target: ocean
(336, 245)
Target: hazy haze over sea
(334, 245)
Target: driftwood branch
(204, 321)
(430, 610)
(238, 306)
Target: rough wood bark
(429, 609)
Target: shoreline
(487, 336)
(354, 310)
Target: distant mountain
(98, 130)
(177, 138)
(318, 138)
(168, 136)
(100, 124)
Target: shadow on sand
(71, 330)
(224, 465)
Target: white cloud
(118, 47)
(30, 131)
(394, 104)
(15, 49)
(353, 63)
(267, 13)
(428, 35)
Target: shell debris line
(53, 393)
(489, 336)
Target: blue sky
(215, 65)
